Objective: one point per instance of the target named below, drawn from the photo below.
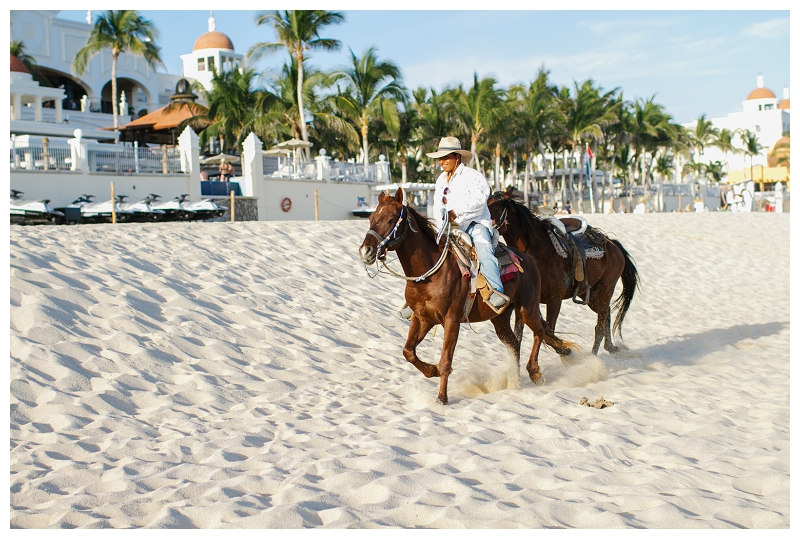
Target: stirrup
(495, 295)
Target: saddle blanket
(591, 249)
(509, 263)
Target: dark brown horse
(520, 228)
(440, 297)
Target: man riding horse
(460, 198)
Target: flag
(589, 151)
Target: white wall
(64, 186)
(336, 200)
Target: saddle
(464, 251)
(575, 240)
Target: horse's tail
(630, 282)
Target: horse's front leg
(416, 332)
(451, 328)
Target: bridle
(393, 239)
(503, 217)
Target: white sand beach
(250, 375)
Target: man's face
(449, 162)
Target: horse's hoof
(431, 372)
(442, 400)
(537, 378)
(613, 350)
(564, 352)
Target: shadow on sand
(687, 349)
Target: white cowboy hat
(450, 145)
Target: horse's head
(387, 227)
(499, 208)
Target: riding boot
(405, 312)
(497, 301)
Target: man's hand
(451, 216)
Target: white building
(85, 101)
(763, 114)
(212, 52)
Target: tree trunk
(572, 180)
(563, 177)
(514, 168)
(114, 105)
(365, 143)
(631, 168)
(403, 168)
(302, 110)
(610, 171)
(581, 181)
(497, 186)
(474, 149)
(593, 180)
(526, 185)
(551, 190)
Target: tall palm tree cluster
(549, 139)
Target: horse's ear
(399, 196)
(381, 196)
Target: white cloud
(775, 28)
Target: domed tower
(785, 102)
(760, 99)
(213, 52)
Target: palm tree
(404, 138)
(704, 134)
(752, 146)
(298, 31)
(121, 31)
(724, 141)
(616, 133)
(436, 118)
(586, 112)
(369, 88)
(18, 50)
(716, 170)
(536, 114)
(233, 108)
(479, 108)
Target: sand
(250, 375)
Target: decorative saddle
(576, 241)
(464, 251)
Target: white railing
(352, 172)
(127, 159)
(284, 168)
(41, 158)
(278, 166)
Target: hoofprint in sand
(250, 375)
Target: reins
(386, 243)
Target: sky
(694, 61)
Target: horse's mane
(529, 224)
(426, 225)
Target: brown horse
(520, 228)
(440, 296)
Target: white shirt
(467, 196)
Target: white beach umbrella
(217, 159)
(293, 144)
